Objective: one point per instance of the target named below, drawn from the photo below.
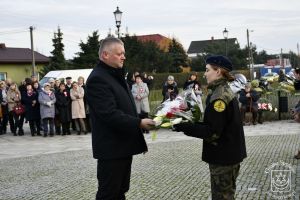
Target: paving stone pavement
(63, 167)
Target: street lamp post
(225, 34)
(118, 16)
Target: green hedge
(155, 99)
(180, 78)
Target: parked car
(62, 74)
(270, 77)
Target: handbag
(19, 109)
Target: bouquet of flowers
(264, 105)
(187, 106)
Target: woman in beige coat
(14, 98)
(78, 111)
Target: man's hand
(248, 95)
(147, 124)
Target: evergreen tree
(88, 57)
(178, 55)
(134, 50)
(237, 55)
(198, 63)
(144, 56)
(294, 59)
(57, 60)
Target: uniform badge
(219, 106)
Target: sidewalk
(20, 146)
(62, 167)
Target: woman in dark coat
(63, 99)
(170, 89)
(32, 108)
(192, 82)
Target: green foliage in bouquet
(197, 114)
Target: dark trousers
(57, 124)
(223, 181)
(14, 121)
(35, 126)
(4, 123)
(65, 127)
(21, 122)
(49, 121)
(113, 178)
(254, 111)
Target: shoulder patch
(219, 106)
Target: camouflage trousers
(223, 180)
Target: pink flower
(182, 107)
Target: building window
(3, 76)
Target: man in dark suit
(116, 128)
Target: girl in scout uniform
(222, 129)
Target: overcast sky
(275, 23)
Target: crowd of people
(56, 106)
(53, 108)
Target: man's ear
(104, 54)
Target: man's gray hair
(107, 42)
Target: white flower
(176, 121)
(158, 120)
(270, 106)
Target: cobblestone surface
(175, 170)
(170, 170)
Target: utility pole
(249, 56)
(281, 59)
(32, 51)
(298, 49)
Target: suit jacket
(116, 129)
